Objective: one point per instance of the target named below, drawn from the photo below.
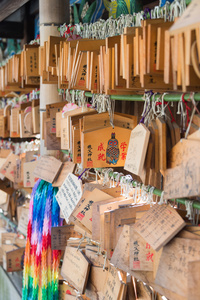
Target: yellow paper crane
(119, 7)
(111, 7)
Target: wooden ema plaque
(159, 225)
(103, 120)
(96, 218)
(96, 282)
(52, 41)
(141, 253)
(112, 285)
(84, 212)
(112, 224)
(14, 122)
(137, 149)
(67, 167)
(53, 123)
(173, 268)
(109, 150)
(7, 169)
(193, 280)
(69, 195)
(189, 19)
(3, 127)
(66, 133)
(47, 168)
(75, 268)
(120, 257)
(76, 144)
(162, 132)
(60, 235)
(97, 260)
(182, 179)
(29, 179)
(183, 151)
(66, 290)
(12, 258)
(52, 142)
(23, 221)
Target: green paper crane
(88, 13)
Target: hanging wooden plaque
(159, 225)
(47, 168)
(162, 131)
(110, 149)
(58, 124)
(75, 268)
(141, 253)
(7, 169)
(96, 219)
(3, 128)
(97, 260)
(60, 235)
(29, 179)
(193, 280)
(14, 123)
(67, 167)
(52, 141)
(53, 123)
(173, 268)
(65, 291)
(69, 195)
(52, 41)
(112, 224)
(96, 282)
(36, 116)
(23, 130)
(121, 254)
(112, 285)
(183, 180)
(103, 120)
(183, 151)
(137, 149)
(84, 212)
(76, 144)
(23, 221)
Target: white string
(162, 200)
(106, 172)
(68, 96)
(191, 117)
(163, 105)
(112, 27)
(189, 209)
(150, 195)
(122, 183)
(111, 109)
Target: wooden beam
(7, 7)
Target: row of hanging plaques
(157, 55)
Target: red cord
(165, 102)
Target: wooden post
(52, 14)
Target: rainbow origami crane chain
(41, 263)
